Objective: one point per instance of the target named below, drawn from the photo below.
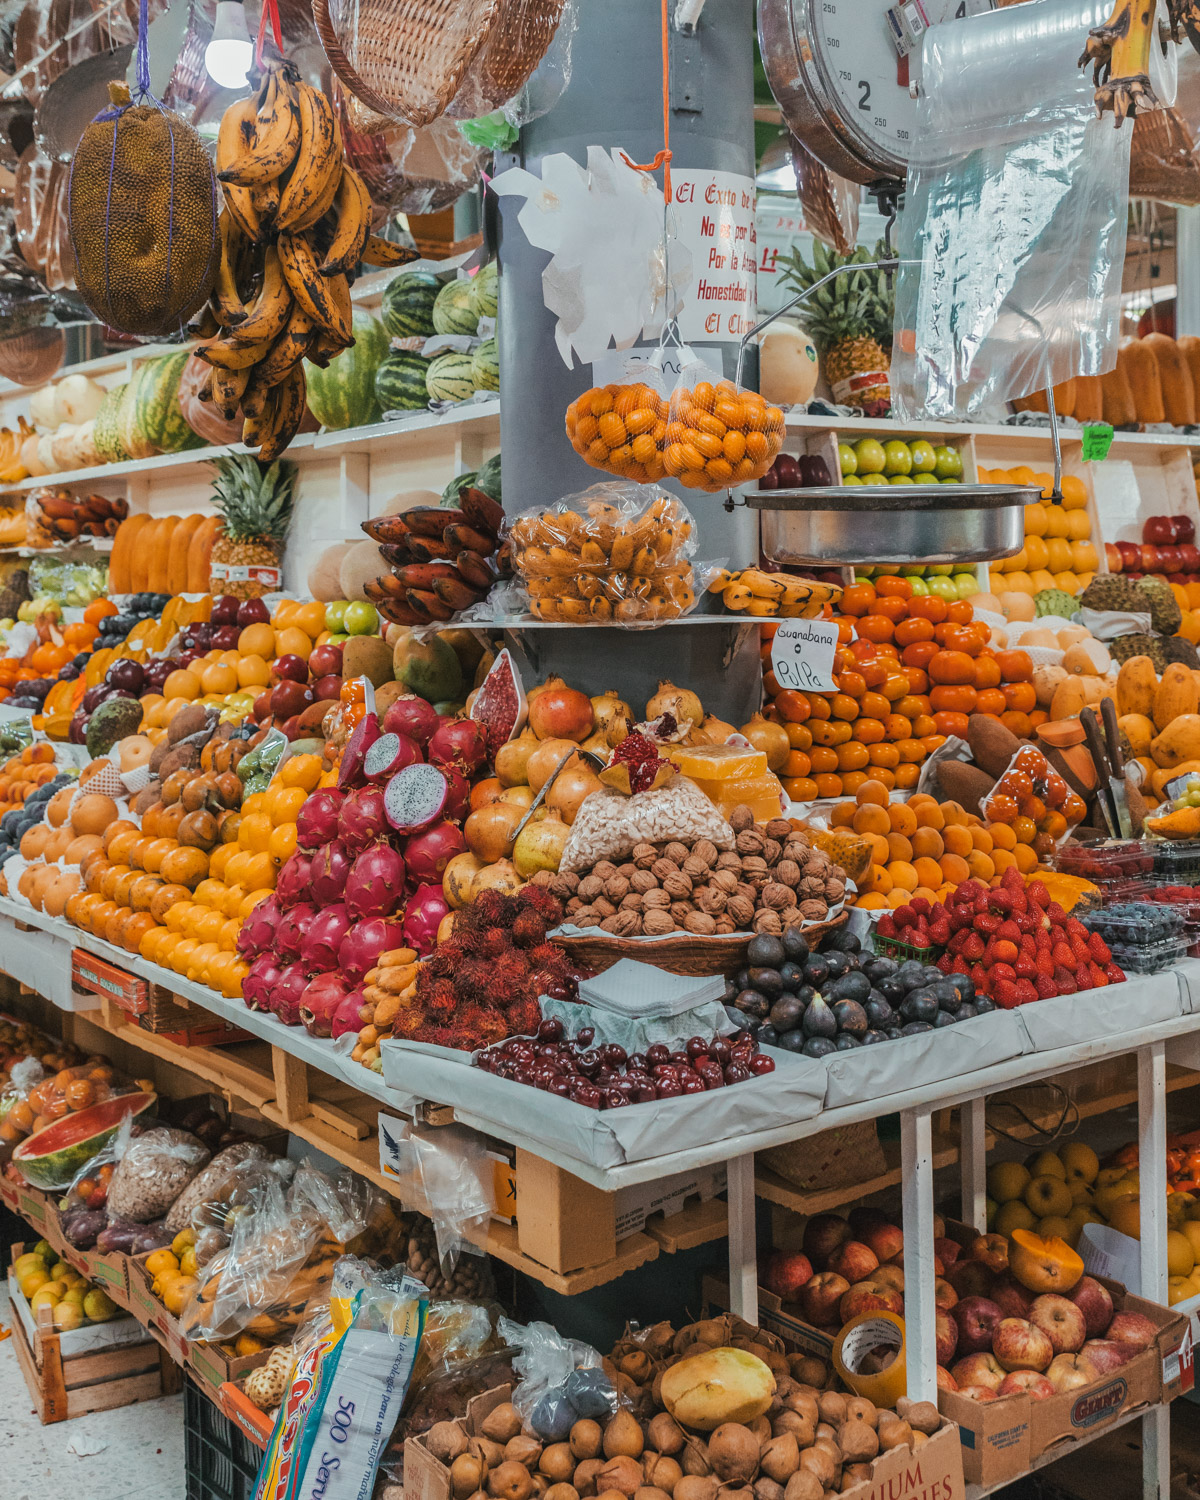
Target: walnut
(678, 885)
(725, 924)
(779, 828)
(741, 910)
(590, 887)
(750, 841)
(834, 890)
(586, 916)
(705, 850)
(604, 906)
(642, 881)
(655, 901)
(753, 864)
(777, 896)
(787, 872)
(798, 850)
(681, 911)
(604, 869)
(616, 887)
(772, 851)
(627, 870)
(729, 861)
(696, 868)
(663, 867)
(701, 922)
(624, 924)
(814, 910)
(543, 877)
(676, 852)
(767, 923)
(723, 880)
(746, 891)
(711, 900)
(810, 885)
(564, 886)
(657, 923)
(574, 905)
(644, 855)
(741, 818)
(631, 902)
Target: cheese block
(717, 762)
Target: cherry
(694, 1084)
(613, 1099)
(561, 1087)
(721, 1050)
(587, 1036)
(737, 1072)
(657, 1054)
(550, 1030)
(762, 1064)
(695, 1045)
(614, 1055)
(668, 1088)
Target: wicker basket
(502, 66)
(835, 1158)
(684, 953)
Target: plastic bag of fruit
(563, 1380)
(622, 428)
(717, 435)
(1034, 801)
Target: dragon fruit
(376, 884)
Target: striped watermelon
(400, 382)
(452, 494)
(450, 378)
(485, 366)
(129, 418)
(104, 434)
(158, 394)
(343, 395)
(407, 310)
(487, 479)
(454, 310)
(485, 290)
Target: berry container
(1137, 925)
(1148, 958)
(1178, 860)
(897, 948)
(1107, 863)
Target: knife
(1116, 766)
(585, 755)
(1104, 793)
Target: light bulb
(230, 53)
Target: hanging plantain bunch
(295, 225)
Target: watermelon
(450, 377)
(162, 421)
(105, 435)
(485, 290)
(488, 479)
(400, 382)
(132, 435)
(454, 309)
(407, 310)
(50, 1157)
(344, 394)
(453, 491)
(485, 366)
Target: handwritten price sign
(802, 655)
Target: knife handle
(1112, 735)
(1091, 731)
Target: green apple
(847, 459)
(924, 478)
(911, 570)
(897, 459)
(900, 479)
(923, 456)
(947, 462)
(337, 637)
(335, 614)
(361, 618)
(943, 588)
(851, 479)
(870, 456)
(965, 584)
(919, 587)
(940, 570)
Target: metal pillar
(743, 1241)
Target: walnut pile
(772, 879)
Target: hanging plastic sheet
(1015, 208)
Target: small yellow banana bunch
(296, 223)
(11, 467)
(773, 595)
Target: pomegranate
(490, 829)
(560, 712)
(608, 706)
(771, 739)
(545, 761)
(681, 702)
(512, 758)
(458, 880)
(571, 786)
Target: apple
(1102, 1356)
(1170, 560)
(977, 1319)
(1093, 1301)
(292, 667)
(325, 659)
(947, 1337)
(1132, 1328)
(226, 638)
(225, 611)
(262, 706)
(822, 1235)
(294, 728)
(126, 674)
(1068, 1372)
(327, 687)
(869, 1296)
(288, 698)
(252, 612)
(886, 1241)
(944, 1294)
(1013, 1299)
(157, 672)
(820, 1296)
(1112, 554)
(1189, 557)
(971, 1278)
(786, 1273)
(890, 1275)
(1158, 529)
(863, 1219)
(980, 1393)
(1131, 556)
(852, 1260)
(361, 618)
(1185, 529)
(979, 1369)
(1020, 1345)
(948, 1251)
(1061, 1321)
(1026, 1383)
(990, 1250)
(946, 1381)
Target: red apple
(1148, 559)
(1189, 557)
(786, 1273)
(262, 707)
(1093, 1301)
(977, 1319)
(1019, 1345)
(328, 688)
(863, 1219)
(1068, 1372)
(1132, 1328)
(971, 1278)
(945, 1381)
(1112, 553)
(822, 1235)
(292, 667)
(1026, 1383)
(885, 1240)
(819, 1298)
(1061, 1321)
(1158, 529)
(289, 698)
(979, 1369)
(250, 612)
(294, 729)
(992, 1251)
(1185, 529)
(980, 1393)
(869, 1296)
(325, 659)
(943, 1293)
(948, 1251)
(852, 1260)
(1131, 556)
(1013, 1299)
(890, 1275)
(1169, 560)
(225, 638)
(947, 1337)
(1102, 1356)
(225, 610)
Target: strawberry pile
(1013, 942)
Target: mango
(720, 1385)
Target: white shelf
(1017, 433)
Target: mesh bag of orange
(622, 428)
(717, 435)
(1035, 801)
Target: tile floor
(133, 1453)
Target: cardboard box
(428, 1478)
(211, 1367)
(256, 1425)
(34, 1207)
(798, 1336)
(151, 1313)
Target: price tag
(1097, 440)
(802, 655)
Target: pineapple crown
(856, 304)
(254, 499)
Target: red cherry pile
(607, 1077)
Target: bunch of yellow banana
(295, 225)
(11, 467)
(773, 595)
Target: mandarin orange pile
(718, 436)
(24, 773)
(620, 429)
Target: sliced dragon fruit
(415, 798)
(500, 705)
(350, 770)
(389, 755)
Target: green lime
(847, 458)
(897, 459)
(923, 456)
(869, 456)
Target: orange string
(663, 159)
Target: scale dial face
(842, 76)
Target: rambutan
(473, 980)
(508, 978)
(536, 898)
(486, 1026)
(494, 942)
(441, 964)
(528, 930)
(547, 955)
(524, 1018)
(408, 1023)
(495, 909)
(469, 944)
(441, 1003)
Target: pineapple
(255, 503)
(850, 321)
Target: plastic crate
(897, 948)
(1141, 924)
(221, 1461)
(1148, 958)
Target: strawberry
(1009, 931)
(1005, 994)
(1063, 956)
(979, 977)
(1056, 914)
(921, 906)
(1065, 982)
(1026, 992)
(960, 966)
(1025, 967)
(987, 922)
(1083, 976)
(1000, 900)
(969, 892)
(1005, 952)
(1045, 987)
(1045, 963)
(1075, 928)
(1039, 895)
(1099, 949)
(973, 948)
(1012, 879)
(1115, 974)
(1043, 941)
(1081, 949)
(887, 925)
(1099, 977)
(905, 916)
(946, 963)
(1029, 921)
(1003, 973)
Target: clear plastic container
(1137, 924)
(1179, 860)
(1148, 958)
(1112, 860)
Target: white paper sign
(714, 217)
(802, 655)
